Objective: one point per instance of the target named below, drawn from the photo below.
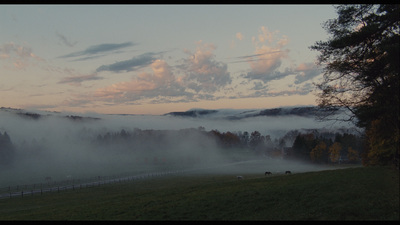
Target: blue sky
(154, 59)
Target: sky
(155, 59)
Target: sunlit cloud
(268, 56)
(306, 71)
(197, 78)
(161, 82)
(239, 36)
(17, 56)
(202, 72)
(265, 65)
(265, 35)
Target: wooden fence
(73, 184)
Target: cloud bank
(198, 76)
(156, 77)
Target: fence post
(22, 194)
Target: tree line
(312, 146)
(316, 148)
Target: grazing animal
(288, 172)
(267, 173)
(239, 177)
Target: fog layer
(61, 146)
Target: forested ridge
(313, 146)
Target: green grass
(364, 193)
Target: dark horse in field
(267, 173)
(288, 172)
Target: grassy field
(361, 193)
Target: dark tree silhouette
(361, 63)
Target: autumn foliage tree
(302, 145)
(380, 144)
(352, 155)
(334, 152)
(361, 74)
(318, 151)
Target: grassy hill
(362, 193)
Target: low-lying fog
(59, 147)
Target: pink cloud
(202, 71)
(200, 76)
(268, 56)
(267, 60)
(239, 36)
(161, 82)
(306, 71)
(18, 56)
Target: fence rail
(73, 184)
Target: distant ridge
(227, 114)
(39, 115)
(235, 114)
(193, 113)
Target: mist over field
(63, 145)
